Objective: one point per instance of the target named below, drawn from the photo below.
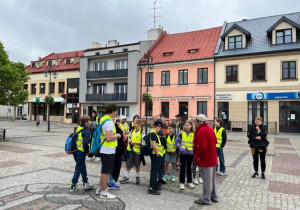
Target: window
(68, 61)
(231, 74)
(61, 87)
(202, 107)
(99, 88)
(122, 64)
(20, 111)
(57, 109)
(125, 50)
(234, 42)
(202, 76)
(284, 36)
(121, 92)
(259, 71)
(26, 87)
(165, 78)
(183, 77)
(42, 87)
(149, 79)
(255, 109)
(111, 52)
(148, 108)
(49, 63)
(33, 65)
(100, 66)
(165, 109)
(52, 87)
(33, 88)
(289, 70)
(123, 110)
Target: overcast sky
(35, 28)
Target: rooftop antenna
(155, 16)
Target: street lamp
(49, 71)
(146, 61)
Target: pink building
(182, 81)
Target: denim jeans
(110, 180)
(161, 167)
(221, 159)
(80, 167)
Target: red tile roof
(178, 45)
(62, 64)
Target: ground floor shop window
(165, 109)
(257, 109)
(123, 110)
(202, 107)
(289, 116)
(57, 109)
(148, 108)
(20, 111)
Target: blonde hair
(259, 118)
(138, 121)
(192, 125)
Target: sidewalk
(35, 173)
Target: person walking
(37, 120)
(205, 156)
(221, 138)
(258, 142)
(184, 142)
(95, 122)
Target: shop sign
(227, 96)
(272, 96)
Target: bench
(2, 133)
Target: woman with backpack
(258, 143)
(95, 121)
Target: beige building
(257, 70)
(64, 87)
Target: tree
(13, 77)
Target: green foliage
(13, 76)
(49, 100)
(146, 97)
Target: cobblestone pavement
(35, 173)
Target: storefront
(283, 106)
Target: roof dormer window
(193, 50)
(167, 53)
(33, 65)
(234, 42)
(68, 61)
(49, 63)
(284, 36)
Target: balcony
(107, 74)
(107, 97)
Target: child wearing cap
(171, 154)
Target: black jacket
(120, 148)
(253, 133)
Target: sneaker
(191, 185)
(165, 178)
(137, 180)
(87, 186)
(98, 191)
(152, 191)
(200, 202)
(200, 180)
(124, 180)
(97, 159)
(73, 188)
(88, 158)
(222, 174)
(113, 186)
(173, 178)
(158, 184)
(197, 168)
(263, 175)
(181, 186)
(162, 181)
(196, 181)
(107, 195)
(178, 167)
(255, 175)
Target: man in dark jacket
(205, 156)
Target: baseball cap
(158, 123)
(201, 118)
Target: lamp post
(146, 61)
(49, 71)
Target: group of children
(171, 144)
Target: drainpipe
(141, 92)
(214, 87)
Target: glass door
(289, 116)
(184, 110)
(257, 109)
(223, 113)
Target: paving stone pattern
(35, 173)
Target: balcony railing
(107, 97)
(107, 74)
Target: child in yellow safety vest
(171, 154)
(184, 142)
(124, 125)
(134, 146)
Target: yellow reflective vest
(171, 146)
(124, 128)
(79, 141)
(159, 146)
(219, 136)
(137, 138)
(187, 141)
(113, 143)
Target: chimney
(96, 45)
(153, 34)
(56, 61)
(112, 43)
(76, 59)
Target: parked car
(24, 117)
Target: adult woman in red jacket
(205, 156)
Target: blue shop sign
(272, 96)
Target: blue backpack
(146, 148)
(70, 145)
(96, 144)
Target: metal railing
(107, 74)
(243, 126)
(107, 97)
